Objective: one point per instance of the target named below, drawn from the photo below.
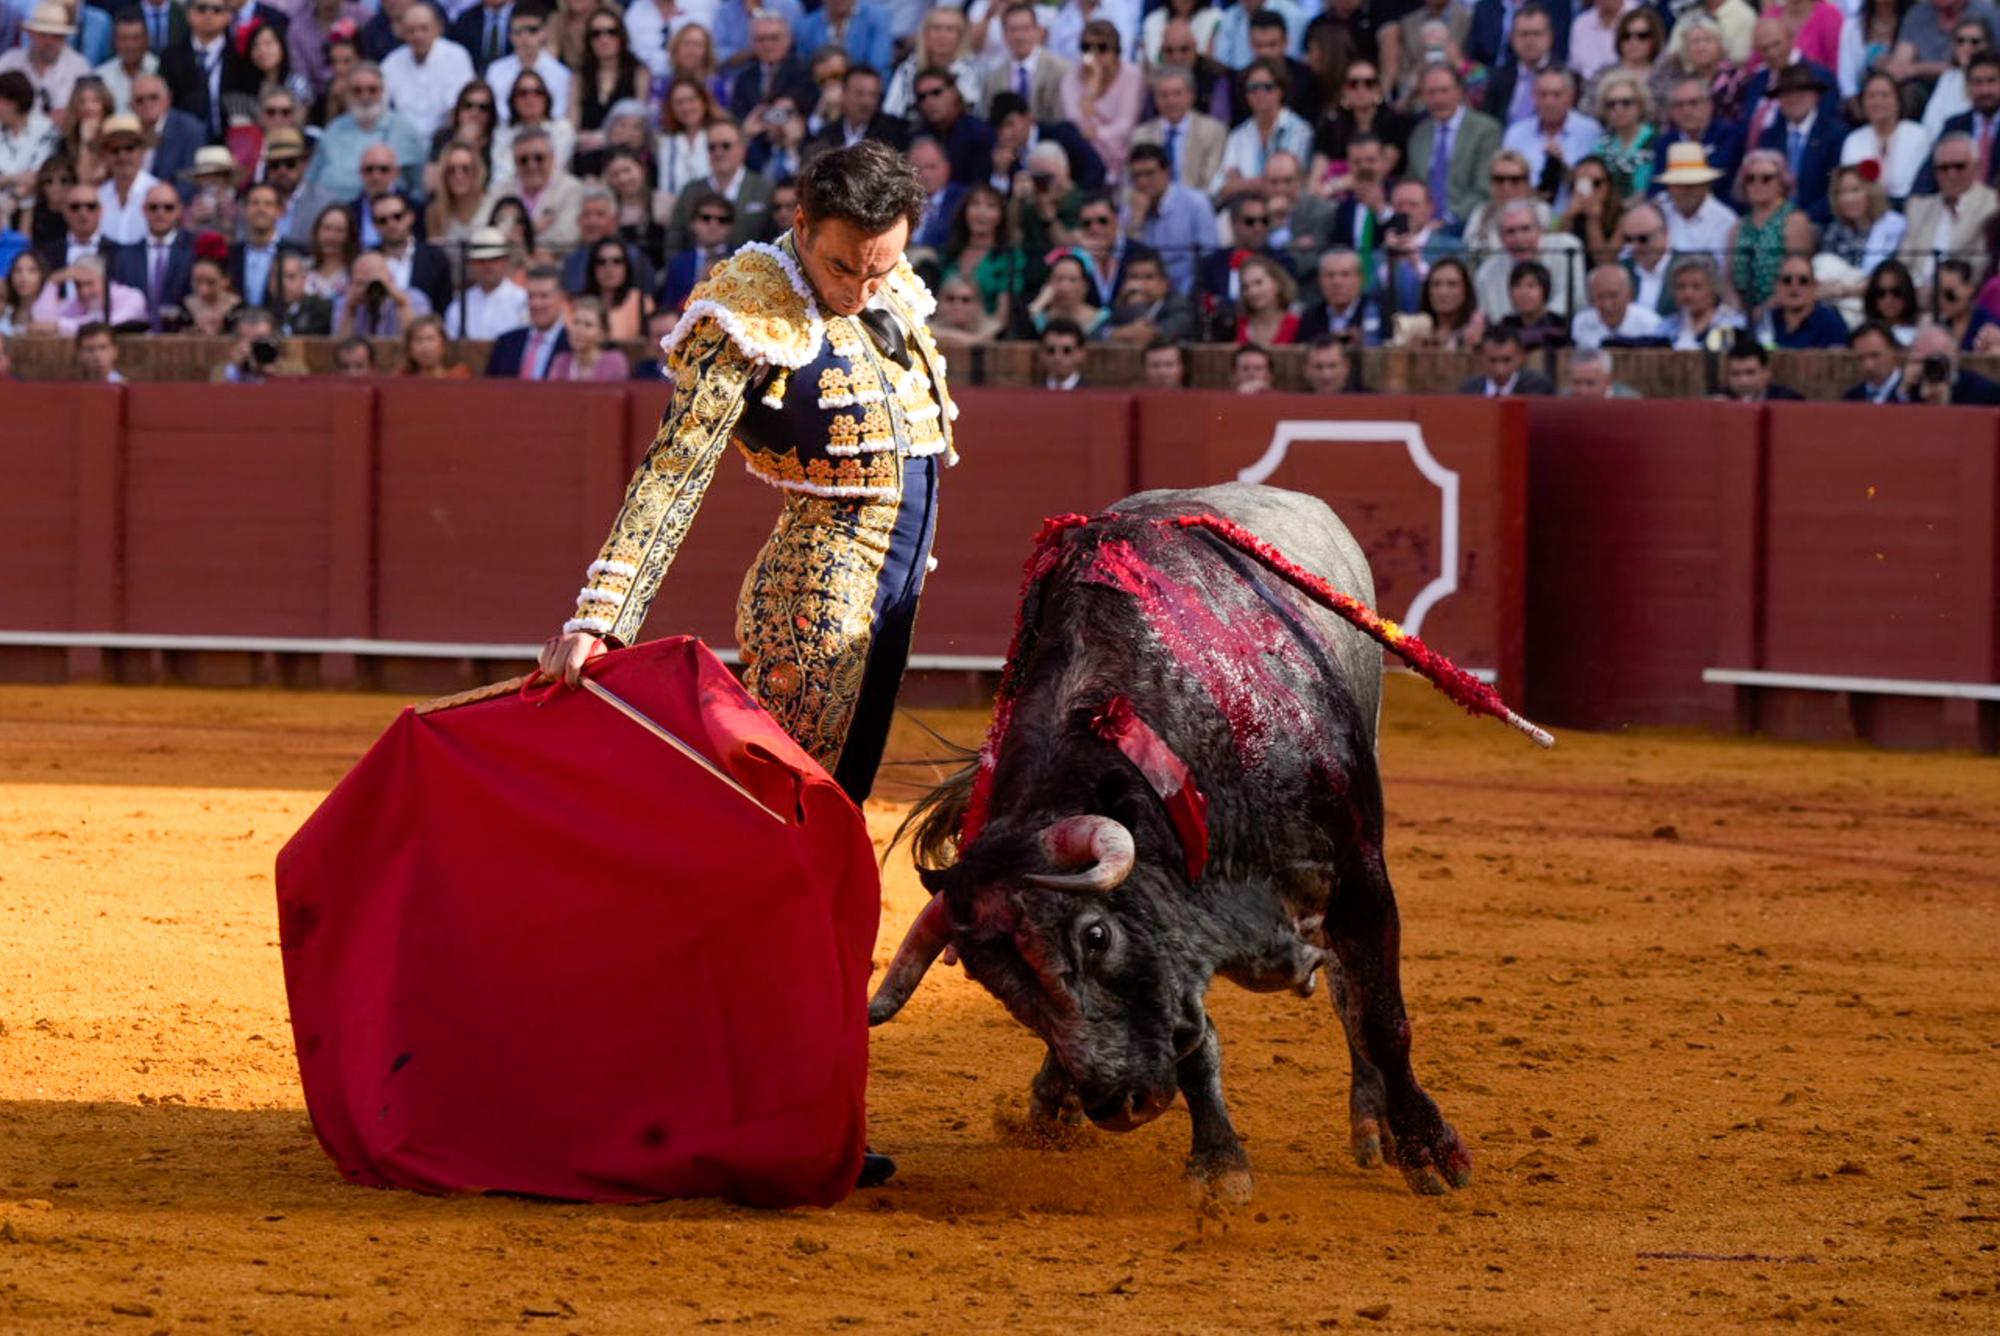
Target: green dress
(1759, 254)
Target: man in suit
(776, 68)
(942, 194)
(1343, 309)
(748, 192)
(1501, 351)
(1875, 348)
(1193, 140)
(1931, 373)
(1510, 92)
(417, 266)
(1456, 176)
(1774, 41)
(484, 31)
(199, 69)
(859, 28)
(1059, 355)
(172, 135)
(253, 261)
(1148, 308)
(1952, 221)
(1980, 122)
(1691, 119)
(708, 247)
(1016, 135)
(166, 24)
(161, 263)
(1412, 241)
(860, 115)
(967, 139)
(1746, 373)
(525, 353)
(1488, 41)
(1031, 71)
(1810, 139)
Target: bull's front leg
(1366, 935)
(1217, 1165)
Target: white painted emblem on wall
(1412, 438)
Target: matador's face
(845, 265)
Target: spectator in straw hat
(492, 303)
(51, 65)
(284, 167)
(1697, 222)
(122, 144)
(215, 177)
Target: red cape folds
(531, 948)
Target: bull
(1180, 783)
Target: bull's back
(1306, 531)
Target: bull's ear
(936, 879)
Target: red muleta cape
(531, 948)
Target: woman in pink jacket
(1103, 94)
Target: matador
(813, 356)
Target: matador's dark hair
(867, 184)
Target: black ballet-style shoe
(875, 1170)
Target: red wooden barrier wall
(1642, 560)
(1880, 561)
(1662, 543)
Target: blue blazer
(1486, 40)
(1816, 163)
(794, 77)
(128, 266)
(869, 41)
(180, 135)
(935, 230)
(505, 360)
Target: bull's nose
(1129, 1109)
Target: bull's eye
(1096, 938)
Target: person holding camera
(375, 306)
(1931, 374)
(257, 356)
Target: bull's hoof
(1220, 1177)
(1434, 1160)
(1368, 1135)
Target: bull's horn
(1099, 845)
(921, 944)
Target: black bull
(1077, 898)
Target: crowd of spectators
(1504, 176)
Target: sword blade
(639, 717)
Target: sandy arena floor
(1719, 1019)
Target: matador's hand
(564, 656)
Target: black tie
(888, 335)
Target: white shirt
(423, 90)
(126, 222)
(487, 315)
(1590, 331)
(1247, 151)
(120, 83)
(399, 265)
(502, 73)
(55, 83)
(1069, 382)
(1707, 233)
(1904, 157)
(28, 148)
(1650, 282)
(1579, 135)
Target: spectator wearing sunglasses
(1952, 221)
(709, 244)
(1797, 317)
(414, 264)
(748, 194)
(1102, 95)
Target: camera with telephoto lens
(376, 292)
(1937, 369)
(264, 351)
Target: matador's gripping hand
(564, 656)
